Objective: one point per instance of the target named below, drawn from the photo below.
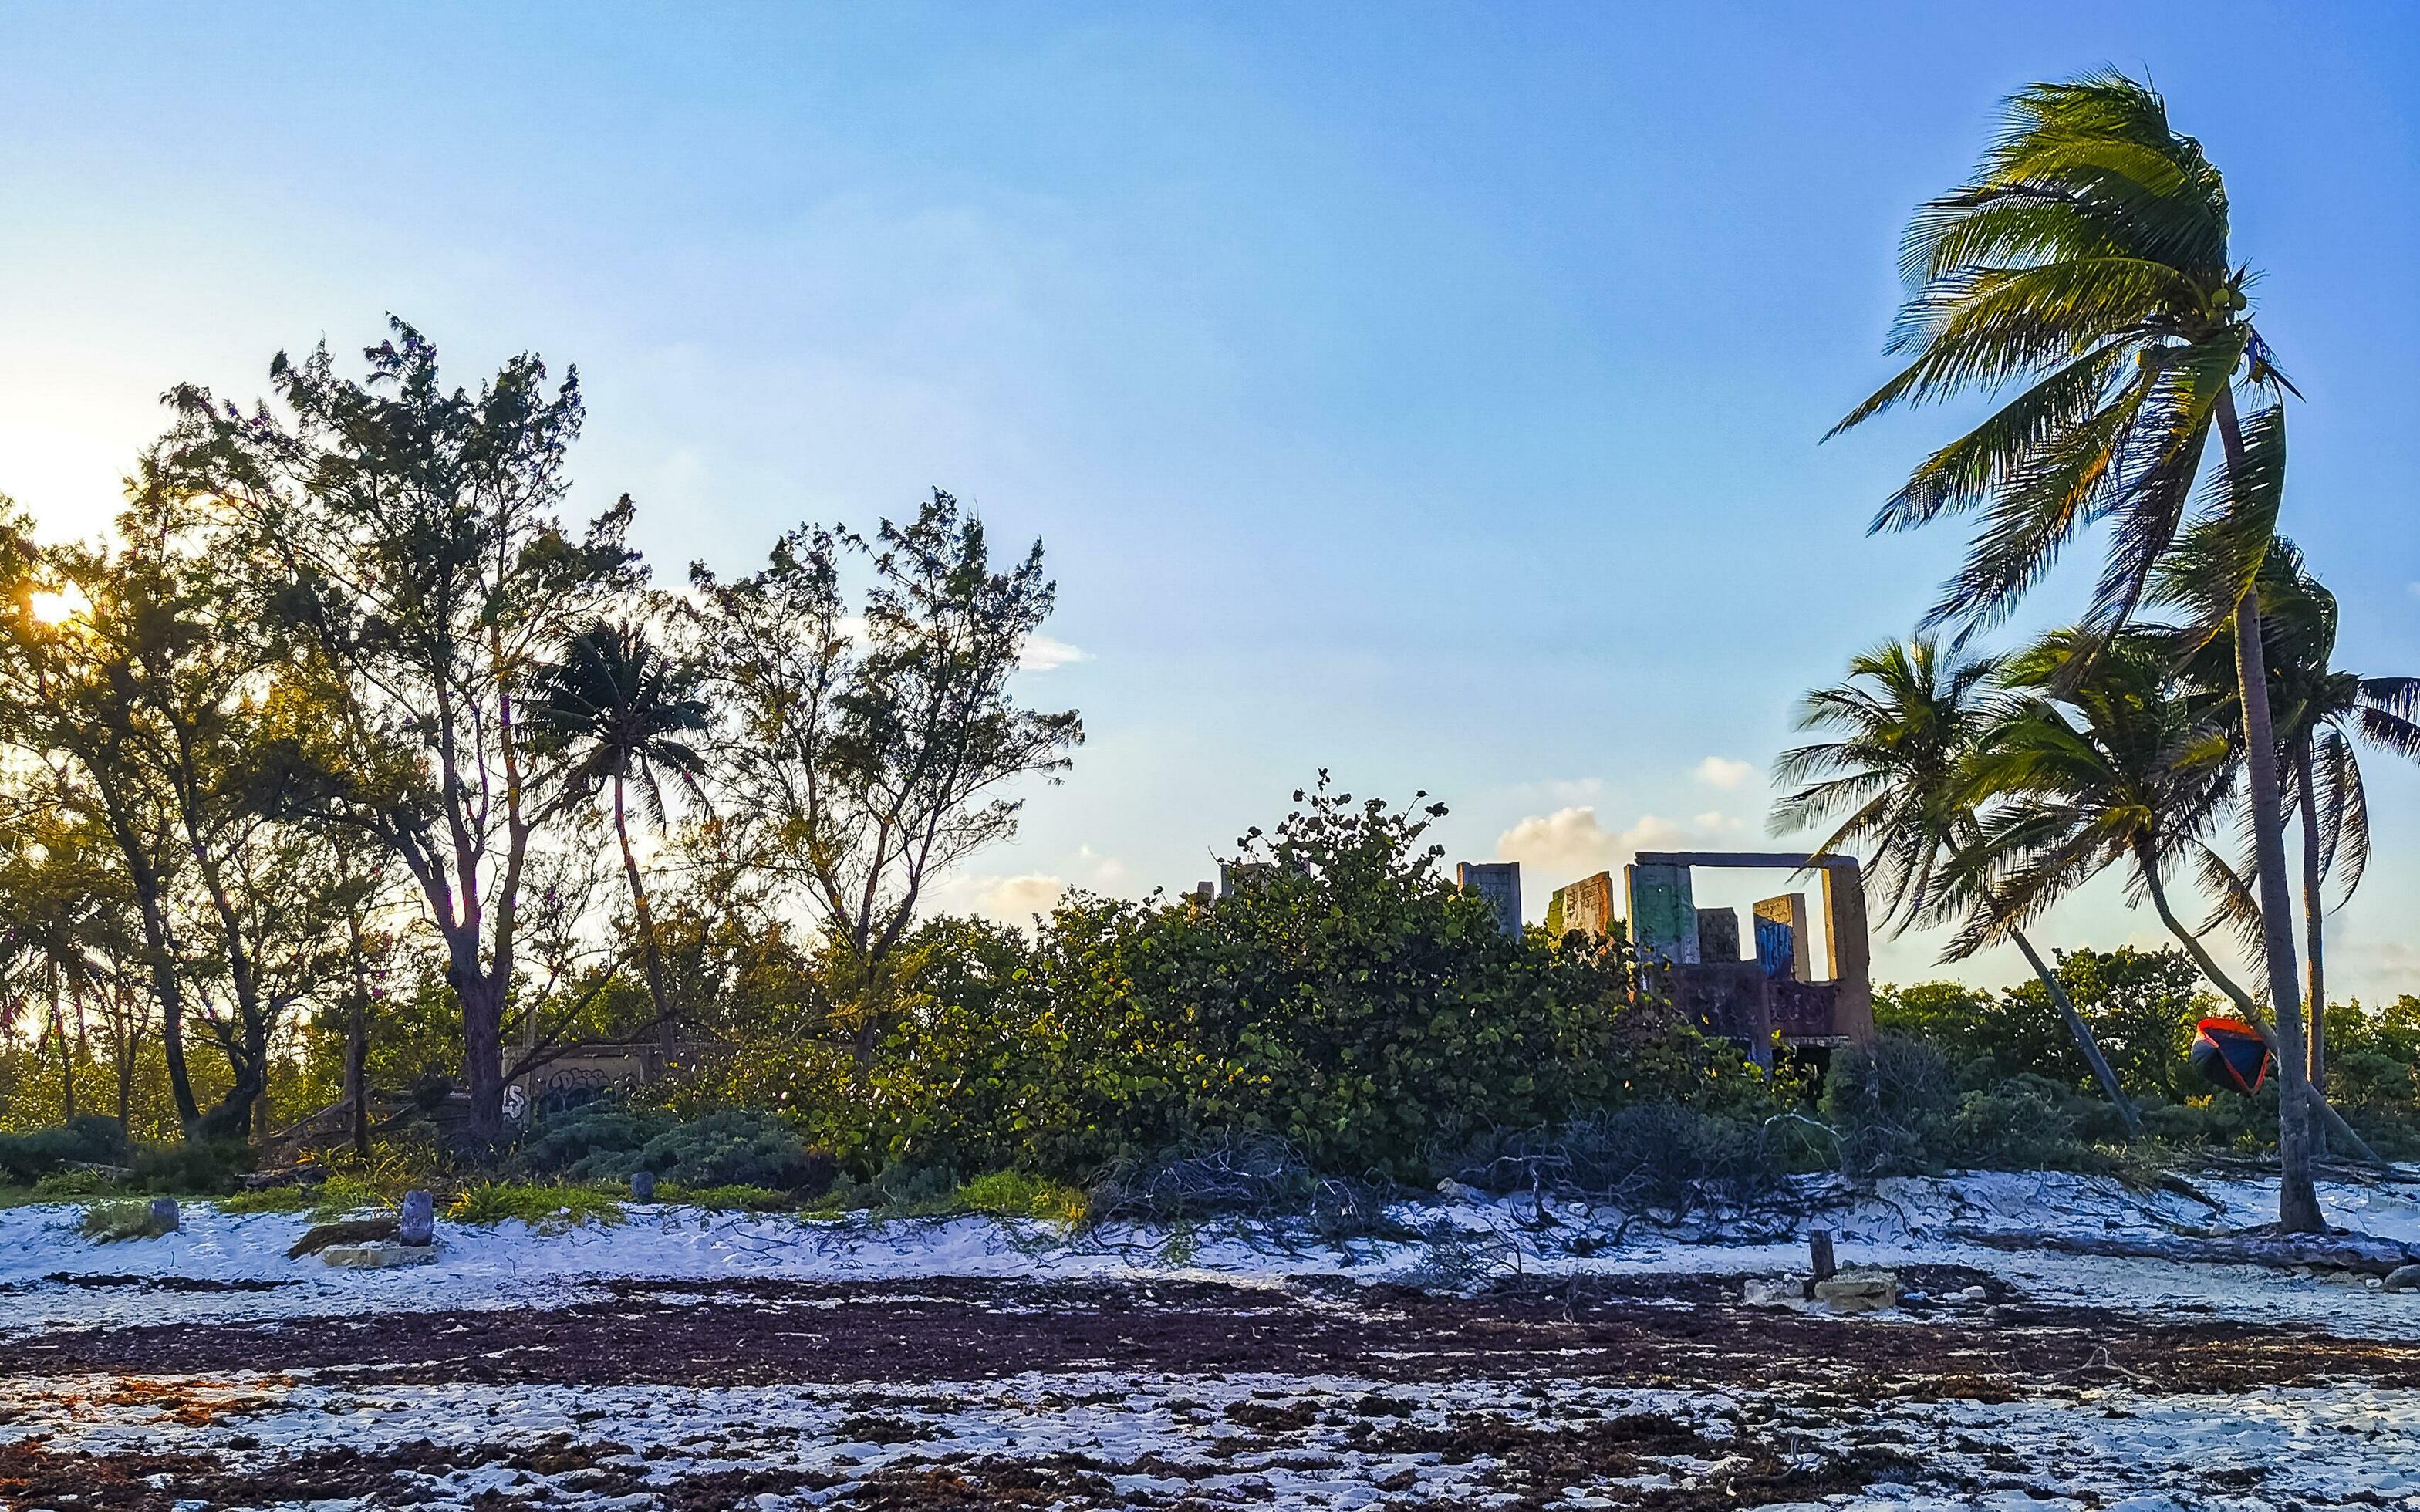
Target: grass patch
(544, 1207)
(933, 1194)
(72, 1186)
(731, 1197)
(107, 1222)
(340, 1194)
(1014, 1195)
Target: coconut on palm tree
(1897, 786)
(626, 718)
(2086, 265)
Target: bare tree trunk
(2298, 1200)
(357, 1048)
(2084, 1039)
(483, 1053)
(648, 949)
(124, 1056)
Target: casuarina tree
(866, 747)
(405, 543)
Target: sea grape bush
(1342, 997)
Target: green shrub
(732, 1147)
(61, 1185)
(90, 1138)
(548, 1208)
(1343, 998)
(341, 1193)
(2141, 1006)
(2024, 1123)
(1014, 1195)
(1887, 1100)
(730, 1199)
(593, 1133)
(111, 1223)
(196, 1167)
(2213, 1123)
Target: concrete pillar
(1718, 935)
(1662, 912)
(1844, 919)
(1781, 942)
(1499, 883)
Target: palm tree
(1911, 718)
(2087, 261)
(59, 927)
(2106, 759)
(625, 716)
(2321, 713)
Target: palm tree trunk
(67, 1055)
(2082, 1033)
(2313, 912)
(648, 949)
(2298, 1200)
(2315, 1105)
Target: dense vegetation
(351, 774)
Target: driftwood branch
(2364, 1253)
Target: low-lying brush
(733, 1147)
(548, 1208)
(341, 1193)
(929, 1192)
(1658, 1157)
(736, 1197)
(1224, 1176)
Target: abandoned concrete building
(1761, 996)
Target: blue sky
(1429, 393)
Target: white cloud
(1017, 899)
(1569, 843)
(1002, 899)
(1723, 772)
(1041, 653)
(1560, 848)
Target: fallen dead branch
(2362, 1253)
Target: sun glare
(58, 608)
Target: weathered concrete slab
(1499, 883)
(1858, 1291)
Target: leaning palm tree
(1895, 784)
(2322, 714)
(2087, 261)
(625, 717)
(2103, 759)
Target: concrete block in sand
(376, 1256)
(1858, 1291)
